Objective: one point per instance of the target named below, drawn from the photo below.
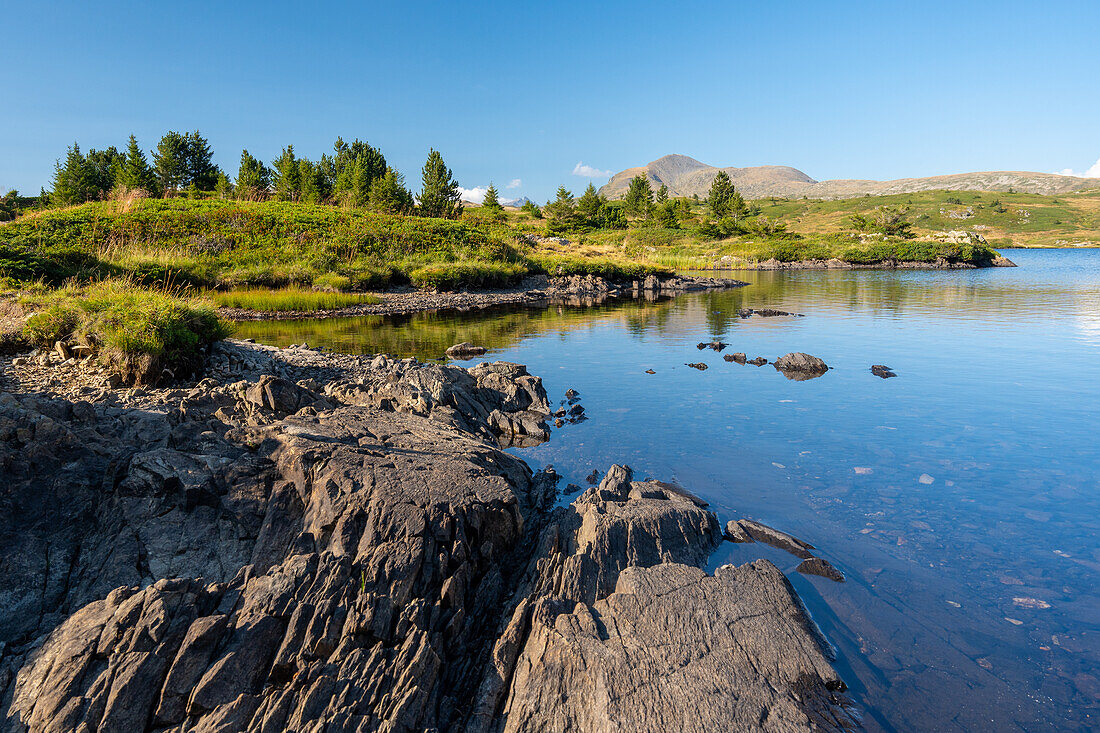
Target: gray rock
(822, 567)
(800, 362)
(776, 538)
(465, 350)
(736, 533)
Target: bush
(332, 282)
(143, 332)
(456, 275)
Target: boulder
(465, 350)
(822, 567)
(800, 362)
(881, 370)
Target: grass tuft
(288, 299)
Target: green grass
(141, 331)
(287, 299)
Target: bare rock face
(339, 544)
(616, 628)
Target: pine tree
(287, 175)
(223, 188)
(639, 197)
(588, 205)
(354, 168)
(170, 161)
(388, 194)
(531, 208)
(253, 178)
(492, 200)
(103, 167)
(662, 194)
(72, 181)
(136, 175)
(439, 196)
(723, 199)
(200, 168)
(562, 211)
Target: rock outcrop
(307, 541)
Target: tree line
(355, 175)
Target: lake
(961, 499)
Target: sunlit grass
(287, 299)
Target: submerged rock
(822, 567)
(758, 361)
(881, 370)
(738, 357)
(776, 538)
(698, 365)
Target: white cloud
(587, 171)
(1093, 172)
(514, 183)
(474, 195)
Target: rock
(822, 567)
(776, 538)
(800, 362)
(758, 361)
(735, 357)
(62, 350)
(736, 533)
(713, 345)
(465, 350)
(571, 394)
(879, 370)
(764, 313)
(650, 371)
(699, 365)
(594, 477)
(371, 560)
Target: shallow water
(961, 499)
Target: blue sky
(509, 92)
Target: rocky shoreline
(307, 541)
(838, 264)
(574, 290)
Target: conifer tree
(287, 175)
(439, 195)
(662, 194)
(223, 187)
(72, 181)
(136, 173)
(199, 164)
(588, 205)
(562, 211)
(170, 162)
(639, 197)
(253, 178)
(723, 199)
(388, 194)
(492, 199)
(103, 167)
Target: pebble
(925, 479)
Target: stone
(465, 350)
(822, 567)
(734, 532)
(758, 361)
(700, 366)
(735, 357)
(880, 370)
(800, 362)
(776, 538)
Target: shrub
(469, 274)
(332, 282)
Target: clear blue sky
(506, 91)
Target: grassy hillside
(225, 244)
(1004, 219)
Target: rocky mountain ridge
(686, 176)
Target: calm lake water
(961, 499)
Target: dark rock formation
(698, 365)
(758, 361)
(880, 370)
(713, 345)
(737, 357)
(309, 542)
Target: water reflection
(961, 498)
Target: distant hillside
(686, 176)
